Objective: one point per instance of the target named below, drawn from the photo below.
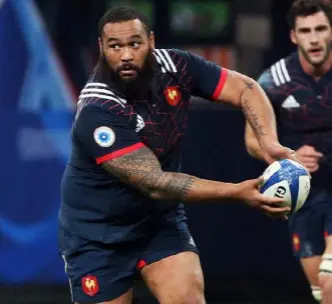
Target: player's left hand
(275, 151)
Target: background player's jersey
(97, 205)
(303, 108)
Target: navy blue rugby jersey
(97, 205)
(303, 108)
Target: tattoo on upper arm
(250, 114)
(134, 166)
(249, 85)
(142, 169)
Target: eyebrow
(136, 36)
(321, 26)
(318, 27)
(304, 28)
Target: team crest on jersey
(104, 136)
(296, 242)
(90, 285)
(172, 95)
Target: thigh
(176, 279)
(171, 268)
(328, 220)
(98, 273)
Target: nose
(126, 55)
(313, 38)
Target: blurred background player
(121, 196)
(300, 89)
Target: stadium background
(47, 50)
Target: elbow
(152, 191)
(256, 154)
(254, 149)
(155, 195)
(160, 186)
(252, 152)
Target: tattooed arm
(252, 144)
(220, 84)
(142, 170)
(244, 92)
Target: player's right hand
(250, 194)
(309, 157)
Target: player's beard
(317, 64)
(135, 88)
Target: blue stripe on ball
(289, 172)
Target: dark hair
(304, 8)
(122, 14)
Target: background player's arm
(142, 170)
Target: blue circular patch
(104, 136)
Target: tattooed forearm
(249, 111)
(252, 118)
(174, 185)
(142, 170)
(167, 185)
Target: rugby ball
(288, 180)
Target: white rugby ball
(289, 180)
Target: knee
(192, 297)
(193, 292)
(325, 275)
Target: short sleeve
(105, 135)
(208, 79)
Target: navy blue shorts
(312, 224)
(101, 272)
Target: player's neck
(315, 71)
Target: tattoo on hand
(142, 169)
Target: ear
(152, 40)
(293, 37)
(100, 43)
